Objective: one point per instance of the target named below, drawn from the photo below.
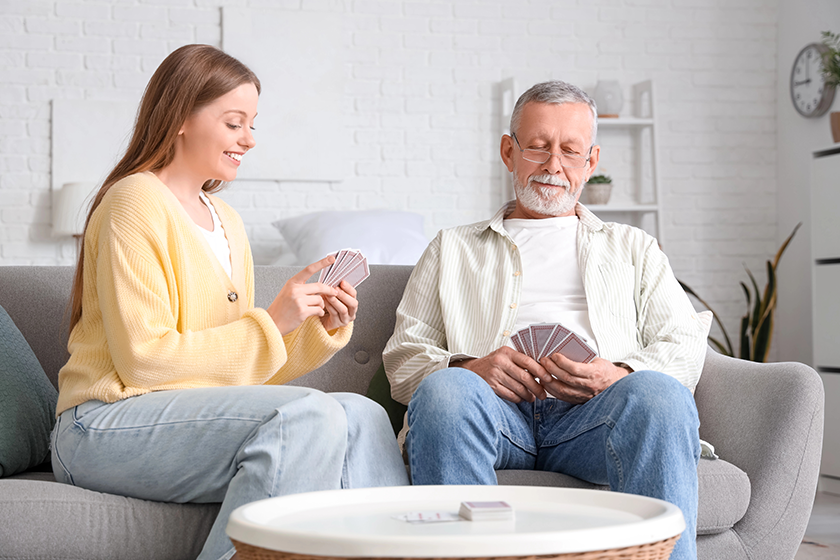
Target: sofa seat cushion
(40, 519)
(724, 491)
(724, 496)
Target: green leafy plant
(831, 58)
(757, 323)
(600, 178)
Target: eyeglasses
(567, 160)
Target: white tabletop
(355, 523)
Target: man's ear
(506, 151)
(594, 156)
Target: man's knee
(446, 396)
(659, 396)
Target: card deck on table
(486, 511)
(350, 265)
(544, 339)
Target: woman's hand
(341, 308)
(297, 300)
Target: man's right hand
(509, 373)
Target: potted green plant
(831, 73)
(598, 189)
(757, 323)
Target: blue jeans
(640, 436)
(231, 445)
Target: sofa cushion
(724, 491)
(40, 520)
(27, 403)
(379, 391)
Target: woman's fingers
(307, 272)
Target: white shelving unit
(825, 263)
(628, 154)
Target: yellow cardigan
(156, 311)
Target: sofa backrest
(36, 299)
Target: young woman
(174, 388)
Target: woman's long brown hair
(187, 80)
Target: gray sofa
(765, 420)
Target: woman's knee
(361, 410)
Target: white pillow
(383, 236)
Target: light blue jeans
(231, 445)
(640, 436)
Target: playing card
(339, 257)
(348, 262)
(525, 337)
(517, 343)
(428, 517)
(576, 349)
(540, 333)
(355, 274)
(326, 270)
(557, 337)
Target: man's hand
(575, 382)
(509, 373)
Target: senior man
(628, 417)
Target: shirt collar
(496, 223)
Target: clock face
(808, 91)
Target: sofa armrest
(766, 419)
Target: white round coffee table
(548, 522)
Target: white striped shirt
(462, 297)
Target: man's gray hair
(554, 92)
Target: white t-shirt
(216, 238)
(552, 288)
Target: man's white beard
(545, 200)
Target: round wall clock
(808, 91)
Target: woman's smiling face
(214, 138)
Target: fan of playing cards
(350, 265)
(545, 339)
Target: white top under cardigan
(216, 238)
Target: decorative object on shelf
(757, 323)
(69, 208)
(831, 74)
(809, 92)
(598, 189)
(608, 98)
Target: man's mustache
(549, 180)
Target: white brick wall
(420, 104)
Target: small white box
(486, 511)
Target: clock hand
(808, 81)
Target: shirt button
(513, 247)
(506, 333)
(517, 273)
(513, 306)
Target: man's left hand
(575, 382)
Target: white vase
(608, 98)
(598, 193)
